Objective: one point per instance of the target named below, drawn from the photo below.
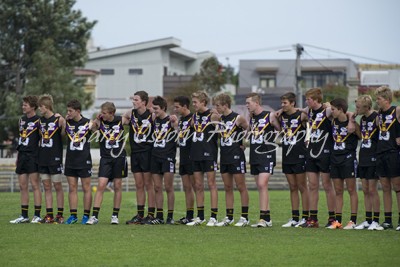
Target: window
(267, 81)
(135, 71)
(320, 79)
(107, 71)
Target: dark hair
(182, 100)
(340, 103)
(161, 102)
(32, 101)
(74, 104)
(291, 97)
(143, 95)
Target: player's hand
(173, 118)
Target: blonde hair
(223, 99)
(201, 96)
(365, 101)
(384, 92)
(315, 94)
(46, 100)
(254, 97)
(108, 106)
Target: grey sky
(369, 28)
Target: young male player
(27, 160)
(204, 155)
(50, 157)
(388, 152)
(232, 159)
(367, 162)
(185, 135)
(262, 152)
(113, 165)
(343, 163)
(140, 120)
(294, 151)
(78, 161)
(163, 160)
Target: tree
(31, 32)
(210, 78)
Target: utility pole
(299, 95)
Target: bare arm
(242, 122)
(126, 118)
(274, 122)
(63, 125)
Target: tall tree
(30, 30)
(210, 78)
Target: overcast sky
(237, 29)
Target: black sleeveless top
(164, 139)
(344, 143)
(205, 138)
(78, 145)
(29, 134)
(321, 142)
(141, 131)
(389, 130)
(369, 140)
(262, 139)
(112, 138)
(185, 136)
(51, 147)
(231, 140)
(293, 146)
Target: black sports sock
(376, 217)
(245, 212)
(295, 215)
(140, 210)
(38, 210)
(368, 216)
(24, 210)
(339, 217)
(214, 213)
(96, 211)
(170, 214)
(305, 214)
(151, 211)
(331, 215)
(229, 214)
(190, 213)
(60, 211)
(353, 217)
(115, 212)
(200, 212)
(160, 214)
(265, 215)
(314, 215)
(49, 212)
(388, 217)
(74, 212)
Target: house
(144, 66)
(276, 77)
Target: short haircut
(223, 99)
(315, 94)
(384, 92)
(161, 102)
(144, 96)
(32, 101)
(254, 97)
(201, 96)
(46, 100)
(74, 104)
(365, 101)
(108, 106)
(182, 100)
(340, 103)
(291, 97)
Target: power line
(350, 54)
(241, 52)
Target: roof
(169, 42)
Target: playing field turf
(180, 245)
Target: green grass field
(179, 245)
